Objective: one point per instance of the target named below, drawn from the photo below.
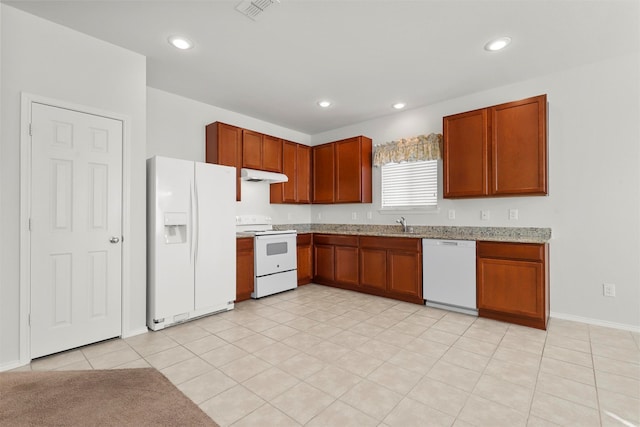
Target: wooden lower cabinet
(244, 268)
(392, 267)
(405, 273)
(323, 262)
(346, 265)
(513, 282)
(336, 260)
(373, 267)
(384, 266)
(304, 255)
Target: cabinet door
(519, 147)
(303, 174)
(323, 173)
(324, 267)
(465, 159)
(513, 287)
(373, 268)
(305, 259)
(251, 149)
(224, 147)
(289, 168)
(346, 262)
(347, 164)
(271, 154)
(405, 273)
(244, 269)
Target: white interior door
(76, 229)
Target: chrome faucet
(403, 223)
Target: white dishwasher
(449, 274)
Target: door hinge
(29, 224)
(29, 319)
(30, 130)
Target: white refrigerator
(191, 240)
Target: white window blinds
(410, 185)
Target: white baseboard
(597, 322)
(11, 365)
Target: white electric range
(275, 260)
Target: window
(410, 185)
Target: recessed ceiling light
(324, 104)
(180, 42)
(399, 105)
(497, 44)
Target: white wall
(176, 128)
(49, 60)
(593, 205)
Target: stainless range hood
(257, 176)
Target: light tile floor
(320, 356)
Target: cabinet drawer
(503, 250)
(304, 239)
(338, 240)
(244, 244)
(394, 243)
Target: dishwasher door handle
(445, 243)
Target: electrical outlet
(289, 216)
(609, 289)
(354, 215)
(452, 214)
(319, 215)
(513, 214)
(484, 215)
(369, 215)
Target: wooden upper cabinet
(519, 147)
(251, 149)
(223, 146)
(342, 171)
(303, 174)
(353, 170)
(262, 152)
(497, 151)
(323, 173)
(296, 164)
(289, 168)
(271, 154)
(465, 158)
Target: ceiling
(362, 55)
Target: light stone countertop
(496, 234)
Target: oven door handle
(280, 237)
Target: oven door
(275, 253)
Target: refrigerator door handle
(191, 225)
(196, 217)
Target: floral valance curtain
(421, 147)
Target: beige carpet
(119, 397)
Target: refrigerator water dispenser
(175, 227)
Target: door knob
(114, 239)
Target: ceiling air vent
(254, 8)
